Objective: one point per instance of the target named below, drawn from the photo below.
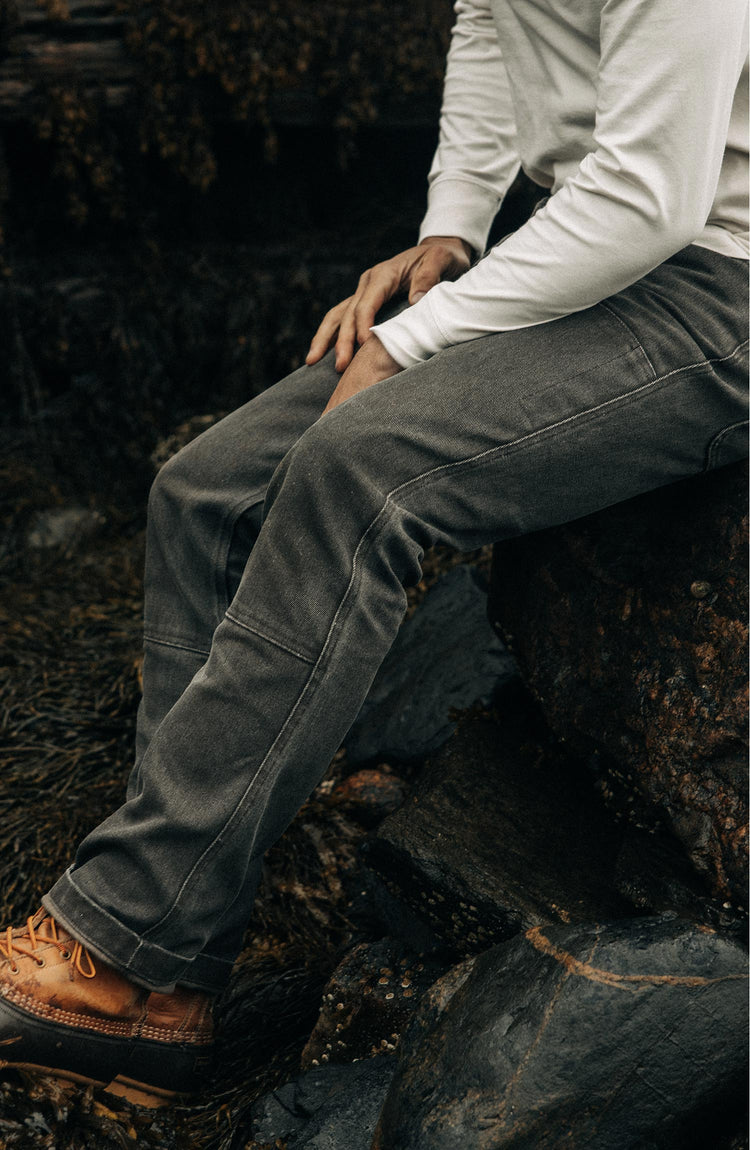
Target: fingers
(325, 336)
(345, 344)
(350, 332)
(440, 261)
(381, 285)
(347, 325)
(428, 272)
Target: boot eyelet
(66, 954)
(13, 969)
(41, 961)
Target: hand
(416, 270)
(371, 364)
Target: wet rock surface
(368, 1001)
(369, 795)
(445, 657)
(630, 630)
(330, 1108)
(499, 835)
(598, 1037)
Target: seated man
(597, 353)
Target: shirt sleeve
(667, 76)
(476, 157)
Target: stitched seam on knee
(176, 646)
(628, 328)
(228, 826)
(717, 441)
(270, 639)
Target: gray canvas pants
(279, 545)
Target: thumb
(414, 296)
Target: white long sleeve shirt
(632, 112)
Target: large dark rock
(630, 629)
(498, 836)
(445, 658)
(331, 1108)
(592, 1037)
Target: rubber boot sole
(146, 1071)
(138, 1093)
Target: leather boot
(65, 1013)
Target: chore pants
(279, 546)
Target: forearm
(476, 158)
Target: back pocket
(729, 446)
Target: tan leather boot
(65, 1013)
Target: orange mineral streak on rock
(632, 982)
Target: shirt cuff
(413, 335)
(463, 208)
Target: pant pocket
(729, 446)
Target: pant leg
(490, 439)
(204, 514)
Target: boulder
(630, 630)
(502, 833)
(330, 1108)
(597, 1037)
(445, 658)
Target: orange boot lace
(69, 948)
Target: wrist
(378, 357)
(449, 242)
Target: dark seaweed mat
(68, 692)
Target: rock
(62, 527)
(445, 657)
(369, 795)
(368, 1001)
(498, 835)
(596, 1037)
(630, 629)
(374, 909)
(330, 1108)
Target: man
(596, 353)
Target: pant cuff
(137, 959)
